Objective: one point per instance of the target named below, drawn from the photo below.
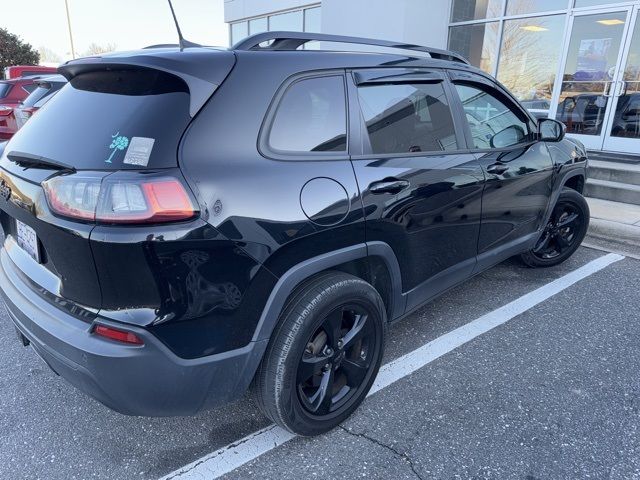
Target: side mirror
(551, 130)
(509, 136)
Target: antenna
(182, 42)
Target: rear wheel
(563, 233)
(324, 354)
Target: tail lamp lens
(106, 200)
(117, 335)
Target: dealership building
(575, 60)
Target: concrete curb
(614, 235)
(614, 231)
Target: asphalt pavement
(553, 393)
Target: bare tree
(48, 56)
(97, 49)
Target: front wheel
(323, 356)
(563, 233)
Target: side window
(493, 124)
(311, 117)
(404, 118)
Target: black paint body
(212, 285)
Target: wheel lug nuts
(340, 343)
(329, 351)
(327, 366)
(363, 355)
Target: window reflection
(311, 117)
(239, 31)
(518, 7)
(626, 123)
(312, 20)
(528, 66)
(291, 21)
(477, 43)
(475, 9)
(258, 25)
(407, 118)
(587, 80)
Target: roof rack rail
(293, 40)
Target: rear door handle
(497, 168)
(388, 186)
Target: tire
(563, 234)
(308, 339)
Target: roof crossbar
(293, 40)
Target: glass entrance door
(623, 126)
(593, 55)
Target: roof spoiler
(202, 71)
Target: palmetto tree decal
(118, 143)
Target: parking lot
(549, 390)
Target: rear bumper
(147, 380)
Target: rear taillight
(5, 111)
(119, 198)
(117, 335)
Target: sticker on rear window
(118, 142)
(139, 151)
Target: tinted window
(493, 124)
(4, 89)
(37, 95)
(29, 88)
(311, 117)
(98, 115)
(404, 118)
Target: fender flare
(297, 274)
(560, 181)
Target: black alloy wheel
(563, 233)
(560, 233)
(336, 360)
(324, 354)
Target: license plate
(28, 240)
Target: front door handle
(388, 186)
(497, 168)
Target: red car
(12, 92)
(13, 117)
(18, 71)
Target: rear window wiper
(36, 161)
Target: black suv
(184, 224)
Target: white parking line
(251, 447)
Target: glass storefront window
(529, 58)
(312, 20)
(626, 122)
(239, 31)
(477, 43)
(587, 80)
(291, 21)
(518, 7)
(258, 25)
(464, 10)
(595, 3)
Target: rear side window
(30, 88)
(37, 95)
(115, 119)
(492, 122)
(407, 118)
(311, 117)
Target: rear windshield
(111, 120)
(4, 89)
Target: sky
(126, 24)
